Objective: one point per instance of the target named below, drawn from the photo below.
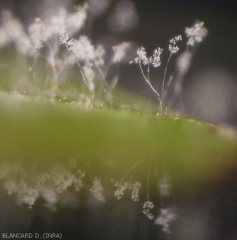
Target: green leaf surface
(39, 133)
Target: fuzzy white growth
(97, 189)
(89, 76)
(64, 38)
(24, 47)
(12, 27)
(11, 186)
(43, 178)
(76, 20)
(36, 33)
(89, 58)
(173, 44)
(99, 56)
(14, 33)
(143, 59)
(65, 22)
(57, 24)
(27, 194)
(156, 57)
(120, 51)
(164, 219)
(135, 191)
(121, 187)
(8, 170)
(78, 184)
(29, 44)
(49, 184)
(50, 196)
(155, 61)
(147, 206)
(83, 51)
(196, 33)
(63, 179)
(164, 186)
(183, 62)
